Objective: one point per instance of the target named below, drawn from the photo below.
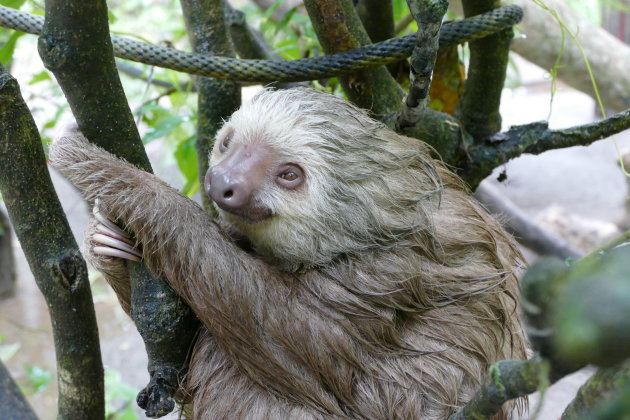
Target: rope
(263, 71)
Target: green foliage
(6, 52)
(38, 378)
(186, 157)
(14, 4)
(119, 397)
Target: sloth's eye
(225, 142)
(290, 176)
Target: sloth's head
(307, 176)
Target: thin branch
(85, 69)
(53, 256)
(137, 73)
(402, 24)
(522, 227)
(429, 18)
(536, 138)
(339, 29)
(575, 315)
(478, 109)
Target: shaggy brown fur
(380, 290)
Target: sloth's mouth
(252, 214)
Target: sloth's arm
(260, 315)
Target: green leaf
(272, 9)
(38, 377)
(164, 127)
(285, 20)
(40, 77)
(186, 156)
(111, 17)
(53, 122)
(14, 4)
(6, 52)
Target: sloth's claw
(106, 251)
(104, 220)
(123, 237)
(111, 240)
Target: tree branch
(597, 389)
(535, 138)
(575, 315)
(12, 401)
(522, 227)
(218, 99)
(608, 56)
(75, 45)
(377, 17)
(137, 73)
(429, 18)
(52, 255)
(478, 109)
(507, 380)
(338, 29)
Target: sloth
(348, 274)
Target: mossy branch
(338, 29)
(75, 45)
(478, 109)
(535, 138)
(429, 16)
(597, 390)
(507, 380)
(53, 256)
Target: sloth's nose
(230, 191)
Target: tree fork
(53, 256)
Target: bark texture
(75, 45)
(53, 256)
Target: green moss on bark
(53, 256)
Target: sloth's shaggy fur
(378, 289)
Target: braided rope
(286, 71)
